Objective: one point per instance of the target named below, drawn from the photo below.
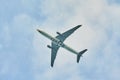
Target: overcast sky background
(23, 51)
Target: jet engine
(58, 33)
(49, 46)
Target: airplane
(57, 42)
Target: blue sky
(23, 51)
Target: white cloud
(100, 22)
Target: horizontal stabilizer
(80, 54)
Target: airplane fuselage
(57, 42)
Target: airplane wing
(53, 53)
(66, 34)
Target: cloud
(23, 51)
(15, 54)
(100, 29)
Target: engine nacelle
(58, 33)
(49, 46)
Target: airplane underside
(57, 42)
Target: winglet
(78, 26)
(80, 54)
(52, 62)
(51, 65)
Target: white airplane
(57, 42)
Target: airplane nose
(38, 30)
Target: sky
(23, 51)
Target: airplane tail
(80, 54)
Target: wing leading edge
(62, 38)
